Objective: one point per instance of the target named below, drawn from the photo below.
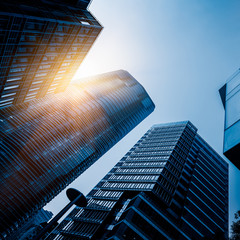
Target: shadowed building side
(79, 3)
(84, 4)
(49, 143)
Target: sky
(182, 52)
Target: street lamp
(76, 198)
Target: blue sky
(182, 52)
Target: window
(10, 87)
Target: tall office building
(43, 43)
(170, 185)
(33, 226)
(230, 95)
(79, 3)
(51, 141)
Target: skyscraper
(43, 43)
(48, 143)
(79, 3)
(170, 185)
(32, 226)
(230, 95)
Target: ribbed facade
(170, 185)
(50, 142)
(42, 45)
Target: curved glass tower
(45, 146)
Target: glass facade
(32, 226)
(79, 3)
(230, 94)
(42, 45)
(170, 185)
(49, 142)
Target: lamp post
(76, 198)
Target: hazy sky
(182, 52)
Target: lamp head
(72, 194)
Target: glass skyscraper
(230, 95)
(49, 142)
(32, 226)
(170, 185)
(43, 43)
(79, 3)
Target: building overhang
(222, 92)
